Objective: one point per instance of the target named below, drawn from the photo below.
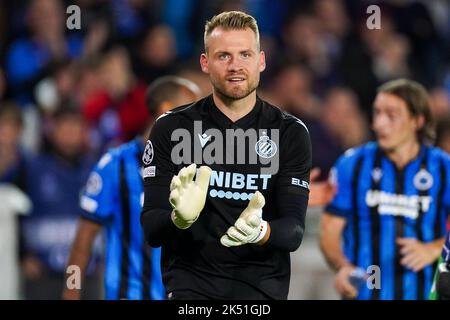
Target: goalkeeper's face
(233, 62)
(393, 123)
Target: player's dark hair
(417, 101)
(166, 89)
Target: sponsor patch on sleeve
(300, 183)
(149, 172)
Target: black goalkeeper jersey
(267, 150)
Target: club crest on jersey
(423, 180)
(147, 157)
(265, 147)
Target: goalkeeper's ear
(203, 176)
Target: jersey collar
(419, 157)
(223, 121)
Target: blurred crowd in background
(66, 96)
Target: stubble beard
(232, 95)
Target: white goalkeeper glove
(249, 227)
(188, 197)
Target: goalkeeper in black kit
(227, 179)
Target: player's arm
(331, 228)
(157, 174)
(292, 189)
(416, 255)
(334, 220)
(173, 200)
(97, 202)
(81, 253)
(156, 219)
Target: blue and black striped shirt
(382, 203)
(113, 197)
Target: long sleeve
(157, 173)
(292, 189)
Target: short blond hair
(231, 20)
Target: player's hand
(342, 282)
(416, 255)
(249, 227)
(188, 197)
(320, 193)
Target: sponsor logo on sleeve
(300, 183)
(149, 172)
